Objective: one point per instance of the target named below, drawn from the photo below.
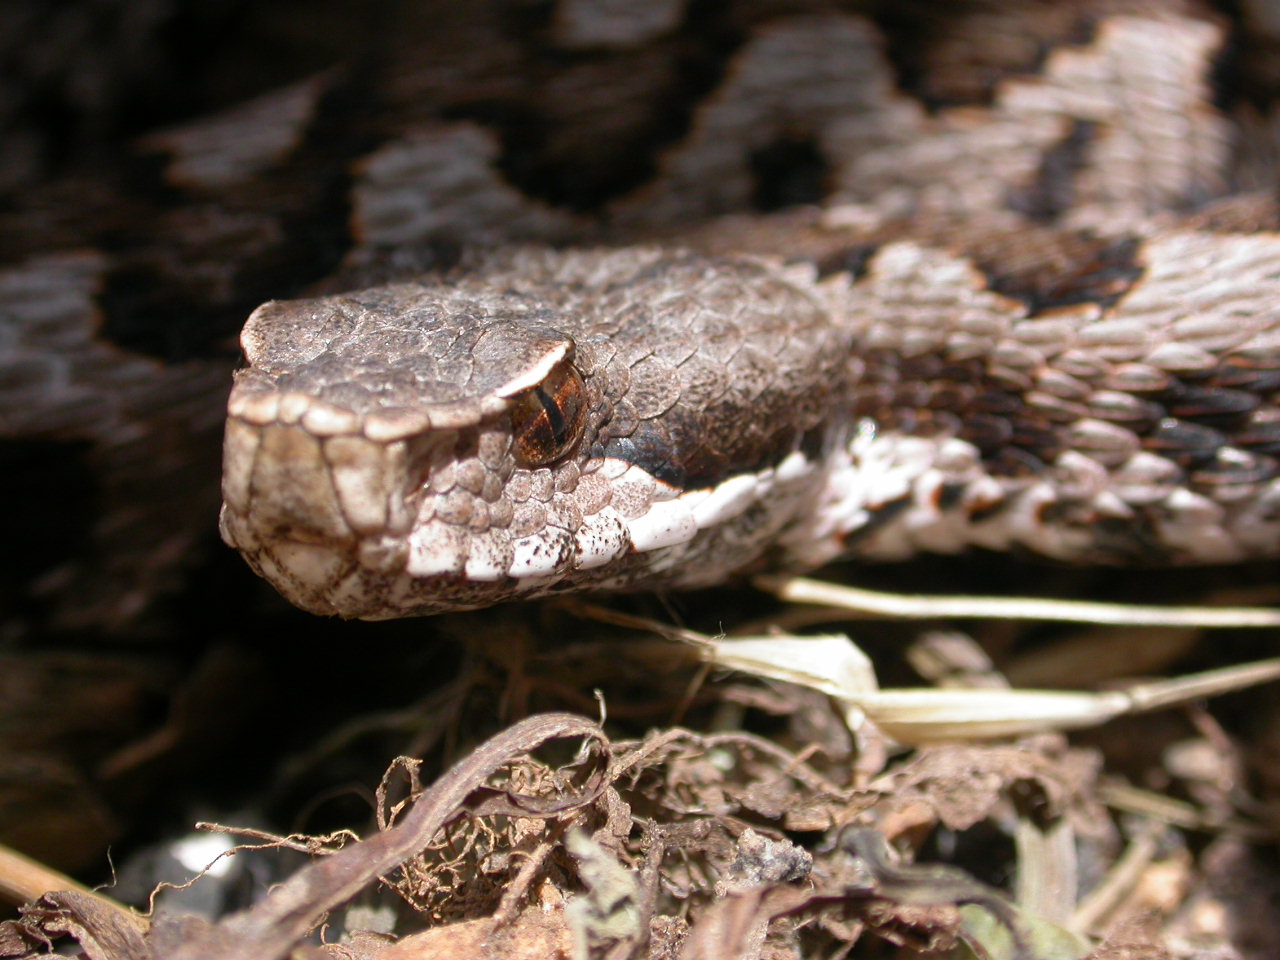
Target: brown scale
(1188, 419)
(1210, 411)
(930, 396)
(1187, 422)
(1048, 268)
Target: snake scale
(630, 295)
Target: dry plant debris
(676, 845)
(834, 832)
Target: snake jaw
(427, 522)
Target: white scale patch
(673, 517)
(603, 537)
(907, 475)
(487, 559)
(665, 524)
(878, 471)
(873, 473)
(880, 497)
(540, 554)
(435, 549)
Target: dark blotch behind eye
(549, 419)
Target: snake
(645, 417)
(1006, 279)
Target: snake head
(552, 422)
(395, 431)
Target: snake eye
(549, 419)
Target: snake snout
(310, 513)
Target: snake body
(741, 285)
(644, 417)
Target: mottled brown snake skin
(637, 295)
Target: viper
(1001, 276)
(642, 417)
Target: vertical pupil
(549, 419)
(555, 416)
